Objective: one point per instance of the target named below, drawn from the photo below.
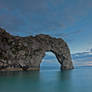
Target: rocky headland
(26, 53)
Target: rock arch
(26, 53)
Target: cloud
(11, 20)
(41, 16)
(83, 56)
(69, 33)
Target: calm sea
(48, 79)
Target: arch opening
(50, 62)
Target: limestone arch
(18, 53)
(57, 46)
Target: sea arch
(26, 53)
(58, 47)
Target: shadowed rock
(26, 53)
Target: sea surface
(49, 79)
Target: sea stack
(26, 53)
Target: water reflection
(19, 73)
(64, 75)
(54, 80)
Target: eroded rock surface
(26, 53)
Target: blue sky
(67, 19)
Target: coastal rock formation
(26, 53)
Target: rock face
(26, 53)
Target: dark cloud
(41, 16)
(11, 20)
(34, 15)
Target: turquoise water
(48, 79)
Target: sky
(67, 19)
